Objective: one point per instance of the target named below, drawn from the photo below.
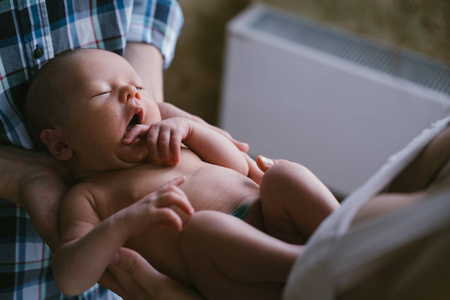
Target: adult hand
(37, 182)
(147, 60)
(142, 281)
(254, 172)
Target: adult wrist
(147, 60)
(13, 164)
(20, 168)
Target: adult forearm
(10, 170)
(148, 62)
(37, 182)
(18, 169)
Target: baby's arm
(88, 246)
(170, 111)
(165, 138)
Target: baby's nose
(130, 92)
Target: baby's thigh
(229, 259)
(283, 187)
(160, 246)
(284, 179)
(293, 202)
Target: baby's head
(81, 105)
(46, 104)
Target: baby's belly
(208, 187)
(224, 191)
(160, 245)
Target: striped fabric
(31, 33)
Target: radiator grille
(402, 64)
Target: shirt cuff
(158, 23)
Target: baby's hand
(154, 209)
(136, 134)
(164, 140)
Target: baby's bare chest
(206, 186)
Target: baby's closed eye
(101, 94)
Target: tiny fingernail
(267, 161)
(115, 259)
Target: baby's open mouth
(133, 131)
(136, 119)
(133, 122)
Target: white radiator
(333, 101)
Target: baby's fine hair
(46, 106)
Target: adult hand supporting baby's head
(39, 182)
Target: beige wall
(193, 81)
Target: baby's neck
(80, 174)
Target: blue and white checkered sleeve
(158, 23)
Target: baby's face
(107, 99)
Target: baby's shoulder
(79, 193)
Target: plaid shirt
(31, 33)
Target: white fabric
(335, 247)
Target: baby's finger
(177, 181)
(136, 133)
(164, 145)
(168, 217)
(175, 145)
(175, 198)
(152, 144)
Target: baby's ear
(53, 139)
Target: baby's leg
(294, 202)
(229, 259)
